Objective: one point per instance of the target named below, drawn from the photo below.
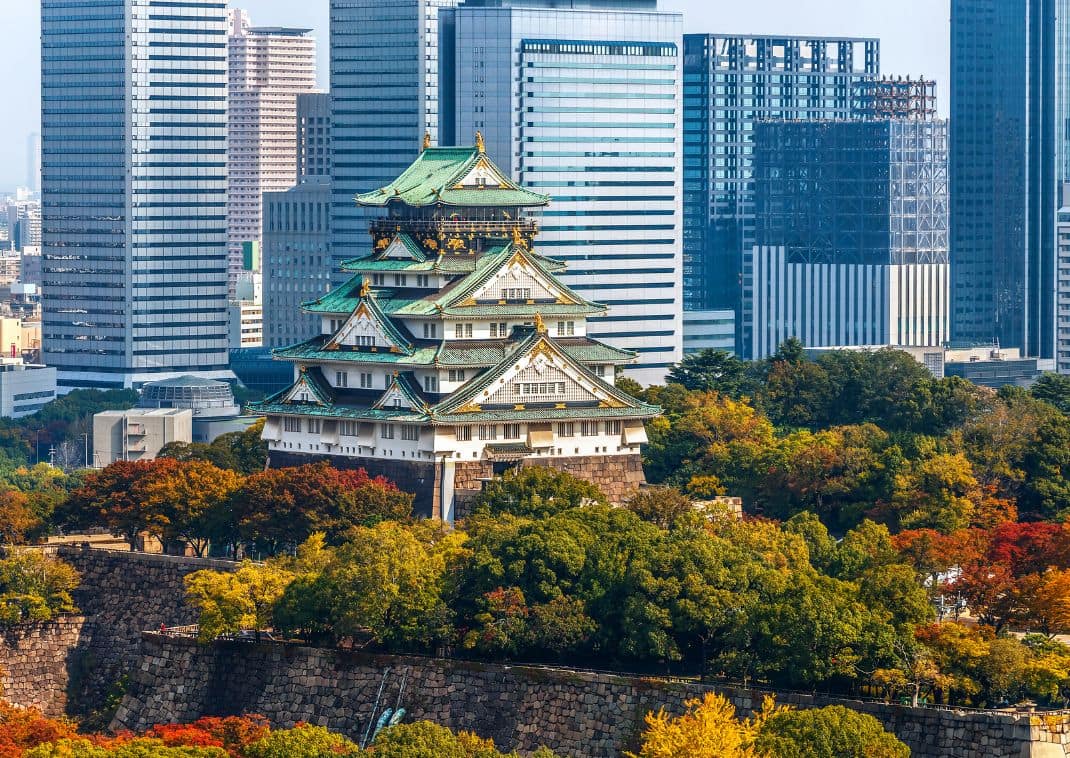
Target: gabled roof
(466, 403)
(402, 243)
(367, 305)
(437, 176)
(310, 381)
(405, 385)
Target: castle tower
(454, 352)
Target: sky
(914, 41)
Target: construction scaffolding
(896, 98)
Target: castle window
(366, 340)
(566, 328)
(365, 381)
(463, 331)
(457, 375)
(540, 388)
(511, 431)
(567, 429)
(341, 379)
(379, 279)
(612, 427)
(314, 425)
(464, 434)
(498, 330)
(410, 433)
(517, 293)
(589, 428)
(600, 370)
(430, 331)
(423, 280)
(400, 280)
(488, 432)
(386, 431)
(430, 384)
(291, 424)
(347, 428)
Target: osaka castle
(454, 352)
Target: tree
(35, 588)
(1053, 389)
(940, 493)
(713, 371)
(243, 452)
(708, 729)
(830, 731)
(303, 741)
(135, 748)
(232, 601)
(535, 491)
(1046, 602)
(424, 739)
(660, 505)
(192, 495)
(115, 498)
(16, 517)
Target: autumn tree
(193, 497)
(34, 587)
(303, 741)
(708, 729)
(830, 731)
(231, 601)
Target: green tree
(829, 731)
(535, 491)
(424, 739)
(660, 505)
(1053, 389)
(35, 588)
(136, 748)
(232, 601)
(713, 371)
(304, 741)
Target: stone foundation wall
(36, 661)
(121, 595)
(619, 476)
(574, 713)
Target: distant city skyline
(914, 36)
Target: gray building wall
(25, 389)
(134, 184)
(313, 135)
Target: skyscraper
(269, 67)
(384, 92)
(585, 104)
(851, 240)
(730, 83)
(134, 217)
(297, 231)
(33, 161)
(1008, 159)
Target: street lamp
(86, 436)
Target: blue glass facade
(1008, 159)
(731, 82)
(134, 215)
(584, 104)
(384, 92)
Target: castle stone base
(446, 490)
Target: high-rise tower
(134, 216)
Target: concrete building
(246, 324)
(138, 434)
(455, 351)
(134, 182)
(1010, 112)
(384, 99)
(731, 82)
(297, 263)
(992, 366)
(269, 67)
(852, 240)
(709, 330)
(212, 404)
(583, 101)
(25, 388)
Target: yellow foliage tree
(709, 729)
(232, 601)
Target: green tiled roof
(432, 179)
(315, 350)
(405, 383)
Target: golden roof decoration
(365, 287)
(540, 325)
(427, 140)
(480, 146)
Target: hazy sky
(914, 39)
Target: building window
(488, 432)
(400, 280)
(291, 424)
(464, 434)
(612, 427)
(366, 381)
(366, 340)
(498, 330)
(457, 375)
(511, 431)
(540, 388)
(463, 331)
(386, 431)
(423, 280)
(600, 370)
(566, 328)
(314, 425)
(589, 428)
(517, 293)
(430, 331)
(567, 429)
(430, 384)
(347, 428)
(341, 379)
(410, 433)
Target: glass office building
(730, 83)
(384, 91)
(1008, 159)
(134, 217)
(584, 104)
